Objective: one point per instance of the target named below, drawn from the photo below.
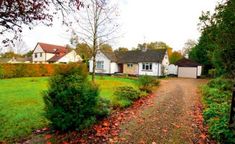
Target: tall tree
(84, 51)
(121, 49)
(106, 47)
(153, 45)
(97, 25)
(28, 54)
(175, 56)
(188, 45)
(10, 55)
(218, 32)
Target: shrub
(221, 84)
(102, 108)
(217, 100)
(71, 99)
(127, 92)
(147, 82)
(125, 95)
(212, 73)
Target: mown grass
(21, 103)
(21, 106)
(109, 84)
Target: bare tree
(188, 45)
(98, 25)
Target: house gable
(44, 53)
(102, 59)
(39, 54)
(70, 57)
(38, 49)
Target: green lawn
(21, 103)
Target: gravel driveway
(168, 116)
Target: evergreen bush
(125, 95)
(147, 82)
(71, 100)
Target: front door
(120, 68)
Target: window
(35, 55)
(129, 65)
(100, 64)
(147, 66)
(40, 54)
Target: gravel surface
(168, 116)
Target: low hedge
(217, 100)
(27, 70)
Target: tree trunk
(93, 69)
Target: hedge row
(217, 97)
(27, 70)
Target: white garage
(187, 72)
(188, 68)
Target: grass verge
(21, 103)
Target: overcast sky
(170, 21)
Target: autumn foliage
(28, 70)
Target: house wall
(172, 69)
(107, 64)
(165, 63)
(70, 57)
(187, 72)
(43, 58)
(156, 70)
(114, 67)
(131, 70)
(199, 70)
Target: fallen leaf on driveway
(177, 126)
(165, 130)
(48, 136)
(203, 136)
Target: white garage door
(187, 72)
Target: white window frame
(35, 55)
(100, 65)
(147, 66)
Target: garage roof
(186, 63)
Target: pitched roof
(50, 48)
(141, 56)
(186, 63)
(58, 56)
(110, 55)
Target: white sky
(170, 21)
